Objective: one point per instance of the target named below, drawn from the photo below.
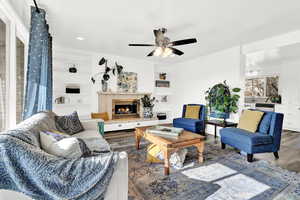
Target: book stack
(165, 131)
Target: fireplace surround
(107, 99)
(125, 108)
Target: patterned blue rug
(225, 175)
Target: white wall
(194, 77)
(62, 60)
(22, 9)
(272, 42)
(87, 64)
(144, 69)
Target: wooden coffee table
(169, 145)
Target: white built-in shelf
(163, 94)
(71, 104)
(123, 93)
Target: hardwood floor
(289, 154)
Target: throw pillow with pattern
(69, 124)
(63, 145)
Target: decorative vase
(148, 112)
(104, 86)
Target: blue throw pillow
(265, 123)
(69, 124)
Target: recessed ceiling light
(80, 38)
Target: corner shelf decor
(148, 104)
(162, 83)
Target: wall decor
(262, 86)
(73, 89)
(272, 86)
(162, 76)
(127, 82)
(164, 99)
(60, 100)
(73, 69)
(161, 83)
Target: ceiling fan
(163, 44)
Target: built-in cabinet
(132, 124)
(291, 116)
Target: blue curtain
(38, 95)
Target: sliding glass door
(20, 54)
(3, 76)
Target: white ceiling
(109, 26)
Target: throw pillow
(47, 138)
(265, 123)
(250, 120)
(63, 146)
(192, 112)
(69, 124)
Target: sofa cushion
(193, 125)
(250, 120)
(265, 123)
(192, 111)
(245, 137)
(187, 122)
(69, 123)
(94, 140)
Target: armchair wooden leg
(276, 155)
(223, 146)
(250, 157)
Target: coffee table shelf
(170, 145)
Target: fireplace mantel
(105, 100)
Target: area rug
(225, 175)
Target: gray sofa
(118, 185)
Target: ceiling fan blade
(155, 32)
(151, 54)
(176, 51)
(141, 45)
(183, 42)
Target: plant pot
(148, 112)
(219, 114)
(104, 86)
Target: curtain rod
(36, 6)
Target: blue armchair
(266, 139)
(193, 125)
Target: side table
(222, 124)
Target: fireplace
(125, 108)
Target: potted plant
(116, 70)
(222, 100)
(148, 104)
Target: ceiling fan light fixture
(167, 52)
(158, 51)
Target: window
(3, 76)
(20, 52)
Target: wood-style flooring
(289, 154)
